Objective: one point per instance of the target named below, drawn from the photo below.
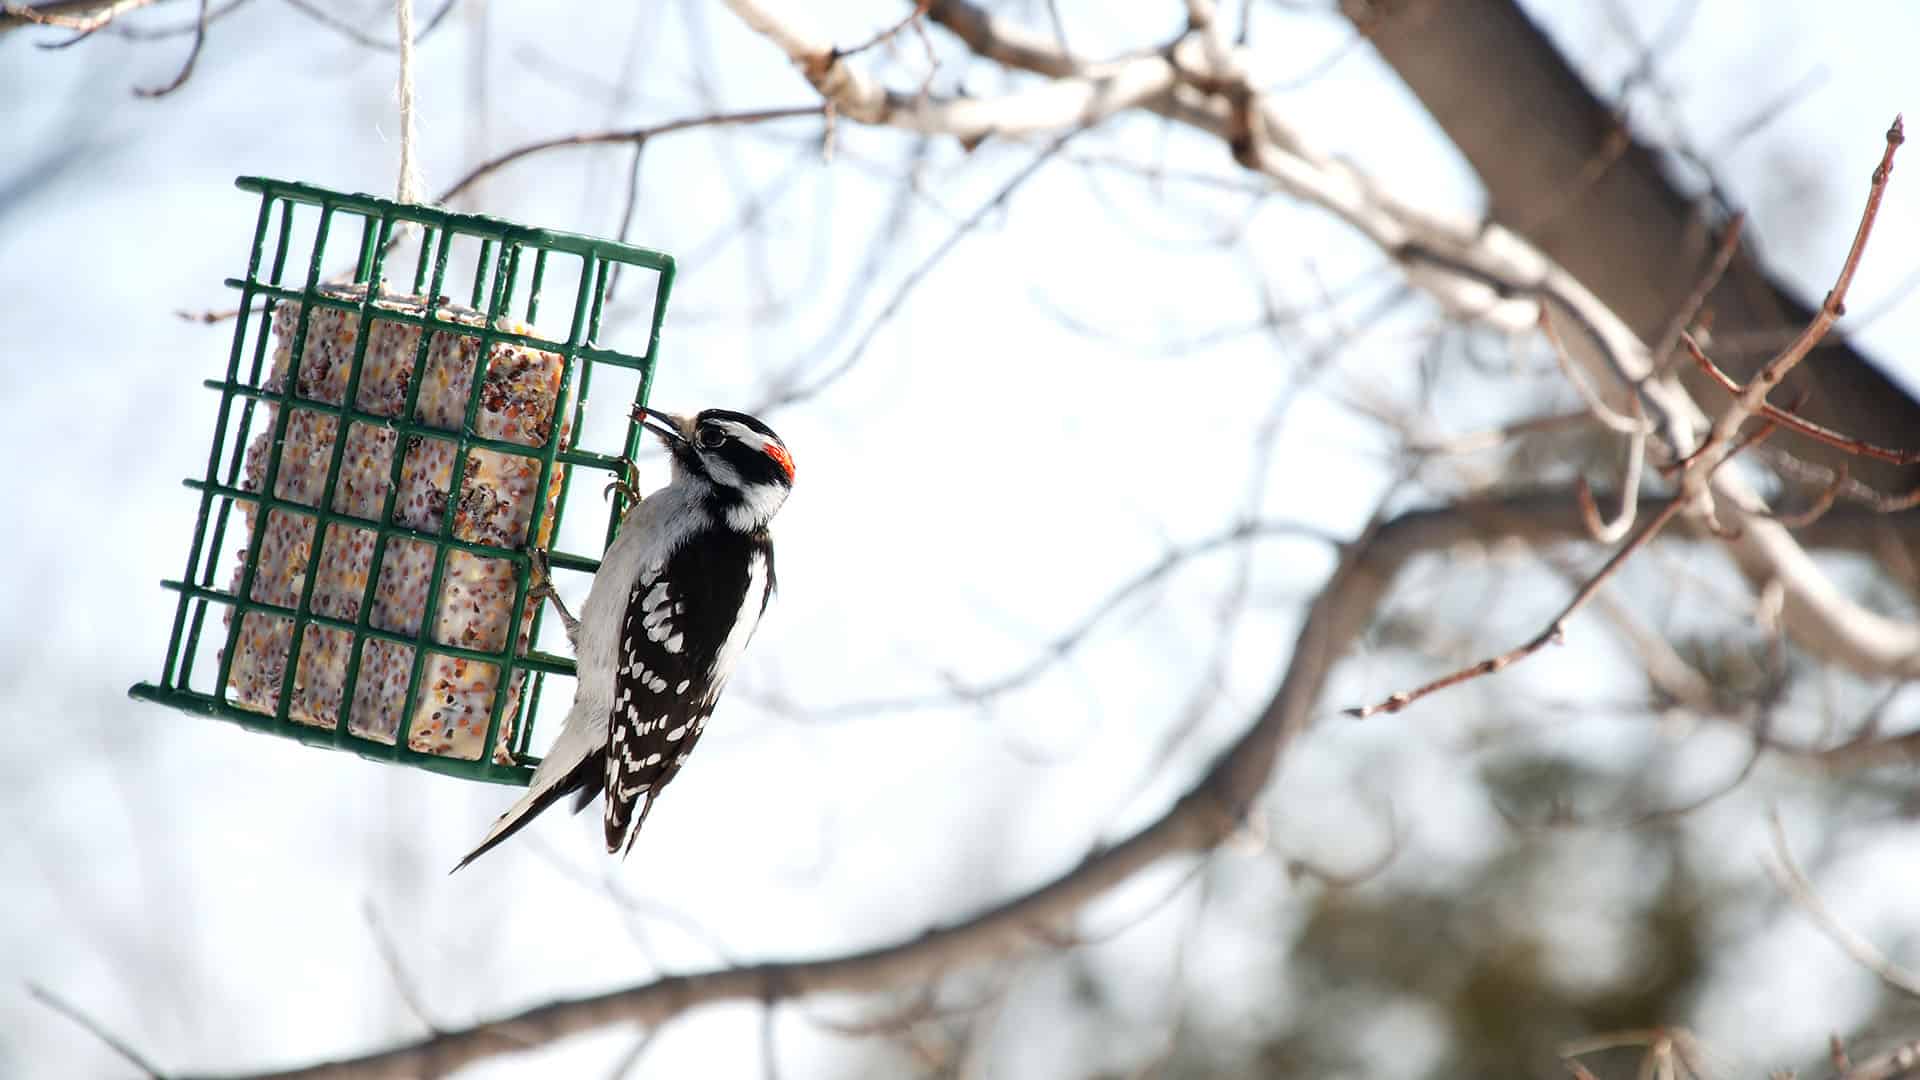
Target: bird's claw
(626, 482)
(540, 587)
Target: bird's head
(743, 463)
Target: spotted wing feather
(680, 620)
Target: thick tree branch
(1532, 130)
(1493, 275)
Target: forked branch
(1796, 423)
(1695, 471)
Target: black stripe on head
(739, 418)
(754, 456)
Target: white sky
(974, 487)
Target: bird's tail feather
(583, 778)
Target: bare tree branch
(1493, 275)
(1050, 107)
(1754, 394)
(1786, 419)
(193, 55)
(1210, 811)
(626, 135)
(1902, 1060)
(1697, 469)
(1554, 633)
(1528, 124)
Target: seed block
(518, 404)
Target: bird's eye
(711, 438)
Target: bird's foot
(541, 588)
(626, 482)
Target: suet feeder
(372, 592)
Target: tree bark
(1560, 170)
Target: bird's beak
(671, 429)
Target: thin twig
(1821, 503)
(95, 1028)
(632, 1055)
(636, 136)
(1690, 308)
(186, 69)
(630, 135)
(1553, 634)
(1059, 30)
(923, 1006)
(1722, 444)
(1611, 532)
(1319, 68)
(1614, 144)
(1672, 1052)
(1669, 674)
(1793, 882)
(1062, 646)
(1489, 438)
(1767, 113)
(912, 280)
(1754, 394)
(360, 37)
(626, 212)
(1605, 413)
(1298, 868)
(1756, 750)
(919, 12)
(632, 906)
(390, 956)
(1796, 423)
(769, 1050)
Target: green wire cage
(394, 455)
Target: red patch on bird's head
(780, 456)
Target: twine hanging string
(408, 188)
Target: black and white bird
(675, 602)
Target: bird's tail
(584, 778)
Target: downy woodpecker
(671, 609)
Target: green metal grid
(502, 251)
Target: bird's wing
(676, 639)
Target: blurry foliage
(1489, 979)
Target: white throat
(758, 503)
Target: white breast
(648, 537)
